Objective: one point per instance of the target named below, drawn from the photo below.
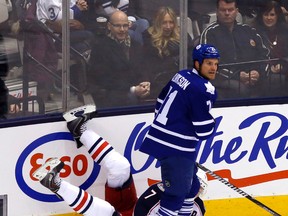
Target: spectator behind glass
(115, 66)
(3, 88)
(236, 43)
(136, 25)
(284, 8)
(50, 13)
(4, 96)
(271, 25)
(161, 49)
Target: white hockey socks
(187, 207)
(116, 165)
(166, 212)
(97, 147)
(82, 202)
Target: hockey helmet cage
(203, 182)
(204, 51)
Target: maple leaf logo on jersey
(210, 88)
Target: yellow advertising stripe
(238, 207)
(244, 207)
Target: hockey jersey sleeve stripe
(159, 100)
(174, 133)
(205, 134)
(203, 122)
(171, 145)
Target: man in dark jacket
(3, 88)
(114, 76)
(236, 43)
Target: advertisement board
(249, 149)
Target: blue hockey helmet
(204, 51)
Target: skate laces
(83, 126)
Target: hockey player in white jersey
(119, 179)
(88, 205)
(120, 193)
(182, 118)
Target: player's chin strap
(238, 190)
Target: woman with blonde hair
(164, 31)
(161, 49)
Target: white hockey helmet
(203, 182)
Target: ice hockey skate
(47, 174)
(77, 119)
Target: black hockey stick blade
(238, 190)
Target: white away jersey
(51, 9)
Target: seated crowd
(252, 64)
(251, 56)
(132, 59)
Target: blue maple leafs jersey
(182, 116)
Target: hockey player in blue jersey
(182, 118)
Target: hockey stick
(238, 190)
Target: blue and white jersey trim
(171, 145)
(203, 122)
(205, 134)
(174, 133)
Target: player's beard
(201, 74)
